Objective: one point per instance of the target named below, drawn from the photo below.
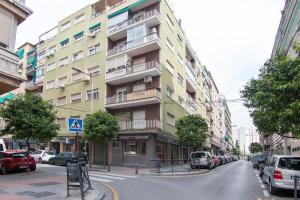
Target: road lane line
(266, 193)
(100, 180)
(109, 174)
(114, 191)
(105, 176)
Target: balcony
(135, 72)
(10, 74)
(141, 124)
(150, 18)
(31, 86)
(30, 70)
(138, 98)
(136, 47)
(39, 79)
(191, 76)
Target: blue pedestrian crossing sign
(75, 125)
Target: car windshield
(68, 154)
(18, 155)
(51, 153)
(198, 155)
(289, 163)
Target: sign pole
(77, 142)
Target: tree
(236, 149)
(255, 147)
(192, 131)
(100, 127)
(273, 98)
(28, 117)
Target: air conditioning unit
(92, 35)
(86, 78)
(148, 79)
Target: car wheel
(51, 162)
(40, 160)
(3, 170)
(271, 188)
(33, 169)
(192, 166)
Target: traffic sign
(75, 125)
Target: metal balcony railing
(132, 44)
(134, 96)
(127, 70)
(140, 124)
(140, 16)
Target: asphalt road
(234, 181)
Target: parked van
(201, 159)
(2, 145)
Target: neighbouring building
(287, 36)
(133, 60)
(12, 13)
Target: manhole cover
(45, 184)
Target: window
(64, 43)
(179, 39)
(94, 71)
(76, 98)
(79, 18)
(65, 26)
(64, 61)
(77, 56)
(51, 67)
(52, 49)
(170, 45)
(50, 85)
(180, 79)
(179, 58)
(180, 100)
(61, 122)
(95, 28)
(170, 67)
(76, 76)
(94, 49)
(94, 95)
(79, 36)
(170, 23)
(40, 71)
(41, 55)
(170, 92)
(62, 81)
(116, 144)
(137, 35)
(61, 100)
(50, 101)
(170, 119)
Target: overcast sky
(233, 38)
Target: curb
(174, 175)
(114, 192)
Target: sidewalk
(178, 170)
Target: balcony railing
(9, 63)
(134, 96)
(136, 18)
(132, 44)
(191, 73)
(140, 124)
(124, 71)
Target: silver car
(201, 159)
(279, 172)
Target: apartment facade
(12, 13)
(132, 59)
(287, 36)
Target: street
(234, 181)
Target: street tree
(273, 98)
(28, 117)
(100, 127)
(236, 149)
(192, 131)
(255, 147)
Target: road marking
(109, 177)
(109, 174)
(266, 193)
(100, 179)
(114, 191)
(262, 186)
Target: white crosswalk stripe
(107, 177)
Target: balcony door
(139, 65)
(139, 119)
(124, 119)
(136, 36)
(121, 95)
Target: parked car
(68, 157)
(47, 156)
(235, 158)
(15, 160)
(222, 160)
(216, 161)
(37, 155)
(279, 171)
(227, 159)
(2, 145)
(257, 160)
(201, 159)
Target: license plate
(22, 166)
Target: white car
(47, 155)
(201, 159)
(2, 145)
(37, 155)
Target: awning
(118, 12)
(95, 26)
(137, 4)
(8, 97)
(64, 41)
(78, 34)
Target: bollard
(108, 166)
(295, 186)
(136, 168)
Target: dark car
(15, 160)
(222, 159)
(68, 157)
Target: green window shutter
(95, 26)
(78, 34)
(10, 96)
(64, 41)
(1, 100)
(137, 3)
(118, 12)
(21, 53)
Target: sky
(232, 38)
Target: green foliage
(273, 98)
(255, 147)
(101, 127)
(236, 151)
(192, 130)
(29, 117)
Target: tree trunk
(28, 146)
(90, 153)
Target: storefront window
(135, 147)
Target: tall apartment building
(12, 13)
(132, 59)
(287, 35)
(227, 141)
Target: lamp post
(92, 98)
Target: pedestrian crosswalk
(107, 177)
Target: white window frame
(38, 70)
(75, 78)
(79, 54)
(63, 61)
(61, 103)
(48, 86)
(65, 26)
(170, 67)
(78, 100)
(180, 79)
(170, 92)
(171, 119)
(170, 22)
(51, 67)
(94, 49)
(41, 55)
(170, 45)
(59, 81)
(95, 94)
(79, 37)
(79, 18)
(94, 71)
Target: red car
(216, 161)
(15, 160)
